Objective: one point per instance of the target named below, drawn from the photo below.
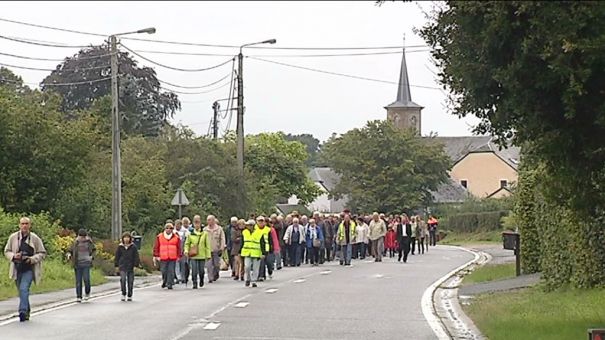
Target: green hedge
(473, 222)
(42, 225)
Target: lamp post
(116, 168)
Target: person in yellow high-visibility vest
(345, 238)
(254, 249)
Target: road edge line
(427, 304)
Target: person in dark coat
(127, 258)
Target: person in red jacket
(167, 250)
(390, 241)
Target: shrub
(147, 262)
(42, 225)
(474, 222)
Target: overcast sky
(276, 97)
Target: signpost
(180, 199)
(512, 241)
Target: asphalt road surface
(365, 301)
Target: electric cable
(177, 68)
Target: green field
(56, 276)
(533, 314)
(490, 272)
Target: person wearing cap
(266, 263)
(253, 250)
(166, 249)
(346, 236)
(126, 258)
(230, 228)
(218, 243)
(197, 250)
(82, 253)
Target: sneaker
(79, 300)
(129, 298)
(123, 298)
(86, 297)
(254, 285)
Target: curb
(427, 302)
(61, 303)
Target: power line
(281, 55)
(50, 59)
(185, 53)
(176, 68)
(341, 74)
(209, 45)
(202, 92)
(41, 43)
(52, 69)
(194, 87)
(56, 84)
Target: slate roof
(450, 192)
(404, 96)
(326, 176)
(458, 147)
(288, 208)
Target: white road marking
(300, 281)
(326, 272)
(212, 326)
(428, 309)
(271, 290)
(241, 305)
(379, 276)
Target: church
(479, 167)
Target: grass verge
(532, 314)
(459, 239)
(56, 276)
(490, 272)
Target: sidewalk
(518, 282)
(39, 302)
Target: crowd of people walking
(252, 249)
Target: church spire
(404, 96)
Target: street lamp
(240, 104)
(116, 169)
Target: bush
(42, 225)
(475, 222)
(147, 262)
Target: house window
(503, 183)
(464, 183)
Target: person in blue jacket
(315, 239)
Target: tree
(535, 71)
(145, 108)
(311, 143)
(385, 169)
(278, 166)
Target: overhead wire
(24, 41)
(201, 92)
(57, 84)
(194, 87)
(339, 74)
(52, 69)
(51, 59)
(177, 68)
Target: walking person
(378, 230)
(304, 222)
(276, 251)
(294, 238)
(433, 223)
(236, 249)
(216, 235)
(254, 248)
(314, 239)
(166, 249)
(182, 274)
(328, 231)
(404, 232)
(346, 237)
(266, 264)
(420, 234)
(363, 231)
(126, 259)
(414, 225)
(280, 229)
(197, 250)
(231, 227)
(25, 251)
(82, 253)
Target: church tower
(404, 113)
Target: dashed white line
(271, 290)
(212, 326)
(241, 305)
(300, 280)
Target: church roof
(404, 96)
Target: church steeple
(403, 112)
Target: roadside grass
(56, 276)
(490, 272)
(532, 314)
(481, 237)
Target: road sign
(180, 198)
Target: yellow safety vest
(352, 232)
(266, 233)
(251, 247)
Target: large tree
(145, 107)
(535, 71)
(311, 144)
(386, 169)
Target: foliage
(385, 169)
(42, 225)
(479, 237)
(534, 71)
(534, 314)
(473, 205)
(57, 275)
(145, 108)
(312, 145)
(473, 222)
(525, 208)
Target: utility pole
(216, 107)
(116, 173)
(240, 113)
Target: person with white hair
(294, 238)
(378, 231)
(254, 249)
(304, 254)
(217, 246)
(229, 229)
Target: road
(365, 301)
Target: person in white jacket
(361, 241)
(294, 238)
